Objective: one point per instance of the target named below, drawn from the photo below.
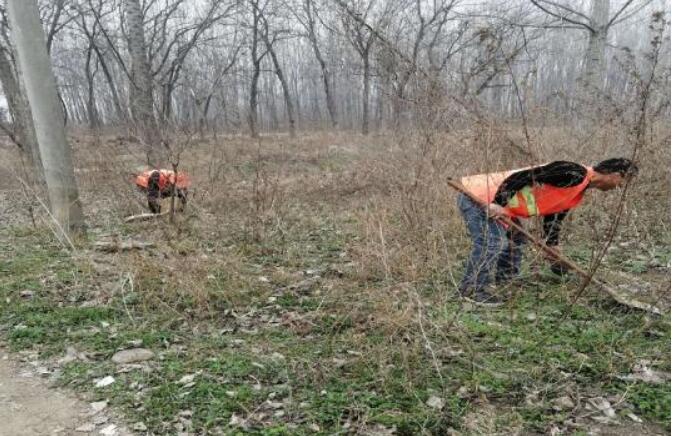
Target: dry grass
(375, 217)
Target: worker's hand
(496, 211)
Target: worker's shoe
(482, 298)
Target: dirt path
(28, 407)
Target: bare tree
(256, 60)
(362, 39)
(308, 21)
(598, 24)
(270, 38)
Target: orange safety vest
(540, 199)
(166, 179)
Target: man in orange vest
(159, 184)
(549, 191)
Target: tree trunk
(252, 114)
(40, 84)
(120, 113)
(24, 129)
(289, 106)
(254, 82)
(595, 61)
(329, 98)
(142, 101)
(365, 95)
(92, 113)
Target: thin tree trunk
(365, 95)
(252, 114)
(254, 82)
(24, 129)
(329, 98)
(92, 113)
(289, 106)
(120, 113)
(40, 84)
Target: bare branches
(563, 18)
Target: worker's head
(612, 173)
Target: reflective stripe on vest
(528, 199)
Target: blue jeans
(494, 248)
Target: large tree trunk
(24, 129)
(595, 63)
(40, 83)
(142, 101)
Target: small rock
(563, 403)
(101, 419)
(86, 428)
(634, 417)
(110, 430)
(189, 378)
(274, 404)
(314, 427)
(236, 421)
(277, 356)
(71, 355)
(263, 279)
(26, 294)
(139, 426)
(603, 405)
(98, 406)
(531, 317)
(132, 355)
(435, 402)
(105, 381)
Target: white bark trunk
(595, 62)
(40, 84)
(142, 101)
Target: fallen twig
(144, 217)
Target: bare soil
(29, 407)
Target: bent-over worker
(159, 184)
(549, 191)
